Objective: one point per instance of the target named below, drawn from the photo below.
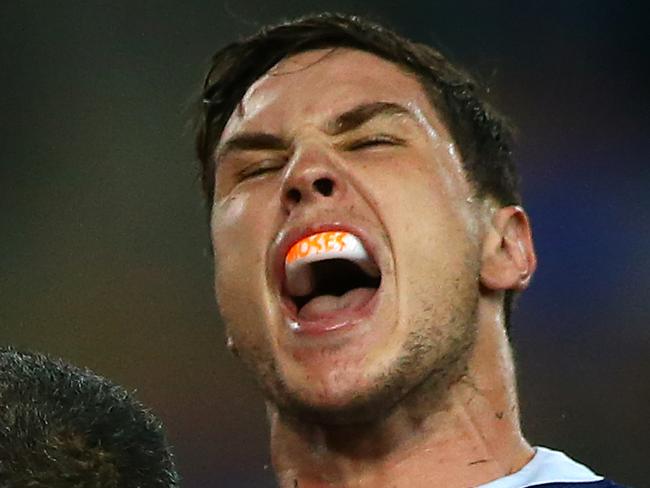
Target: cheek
(231, 222)
(239, 244)
(230, 212)
(428, 226)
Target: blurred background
(104, 256)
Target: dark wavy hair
(483, 137)
(64, 427)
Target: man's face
(343, 146)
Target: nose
(311, 178)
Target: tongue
(325, 306)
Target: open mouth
(329, 275)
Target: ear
(508, 259)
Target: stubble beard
(434, 356)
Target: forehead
(311, 87)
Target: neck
(469, 437)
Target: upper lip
(288, 237)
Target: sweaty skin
(421, 391)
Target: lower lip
(339, 321)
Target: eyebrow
(345, 122)
(361, 114)
(252, 141)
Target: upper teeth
(318, 247)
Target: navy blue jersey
(587, 484)
(552, 469)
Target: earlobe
(508, 258)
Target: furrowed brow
(252, 141)
(362, 114)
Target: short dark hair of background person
(66, 427)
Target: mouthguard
(322, 246)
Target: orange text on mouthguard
(321, 242)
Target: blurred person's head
(66, 427)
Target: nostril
(293, 195)
(324, 186)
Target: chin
(420, 375)
(341, 404)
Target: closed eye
(374, 141)
(260, 168)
